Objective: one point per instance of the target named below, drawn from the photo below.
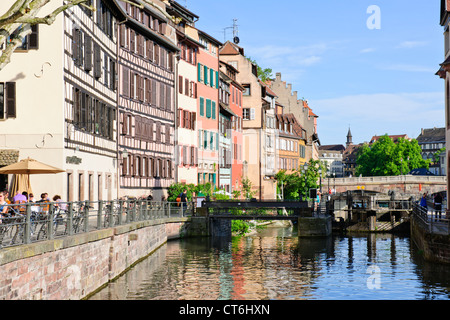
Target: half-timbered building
(146, 103)
(62, 101)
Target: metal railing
(432, 220)
(30, 222)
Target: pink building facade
(208, 109)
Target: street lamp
(305, 169)
(320, 181)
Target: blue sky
(376, 81)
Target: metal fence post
(111, 214)
(70, 219)
(27, 229)
(86, 216)
(120, 211)
(99, 214)
(51, 218)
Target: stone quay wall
(73, 267)
(434, 247)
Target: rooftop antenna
(235, 32)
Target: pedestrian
(423, 201)
(19, 198)
(183, 197)
(3, 204)
(438, 204)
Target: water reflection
(275, 264)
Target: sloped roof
(432, 135)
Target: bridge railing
(30, 222)
(432, 220)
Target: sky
(367, 65)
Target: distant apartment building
(302, 112)
(146, 100)
(332, 157)
(258, 113)
(432, 144)
(59, 101)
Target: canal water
(275, 264)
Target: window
(7, 100)
(247, 91)
(248, 113)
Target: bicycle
(58, 219)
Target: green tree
(386, 158)
(263, 74)
(297, 184)
(247, 192)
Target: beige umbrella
(26, 167)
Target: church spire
(349, 137)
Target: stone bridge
(406, 184)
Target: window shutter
(2, 100)
(10, 99)
(148, 91)
(97, 61)
(156, 53)
(167, 134)
(192, 156)
(33, 38)
(150, 46)
(168, 98)
(211, 77)
(252, 113)
(112, 75)
(199, 70)
(154, 92)
(75, 46)
(179, 112)
(126, 82)
(217, 80)
(186, 87)
(202, 106)
(208, 108)
(87, 53)
(205, 75)
(122, 30)
(213, 110)
(193, 118)
(132, 84)
(180, 84)
(217, 141)
(132, 41)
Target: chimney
(278, 75)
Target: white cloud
(411, 44)
(377, 114)
(367, 50)
(408, 68)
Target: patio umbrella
(24, 168)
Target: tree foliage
(297, 184)
(263, 74)
(386, 158)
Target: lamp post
(305, 169)
(320, 180)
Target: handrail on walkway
(432, 220)
(30, 222)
